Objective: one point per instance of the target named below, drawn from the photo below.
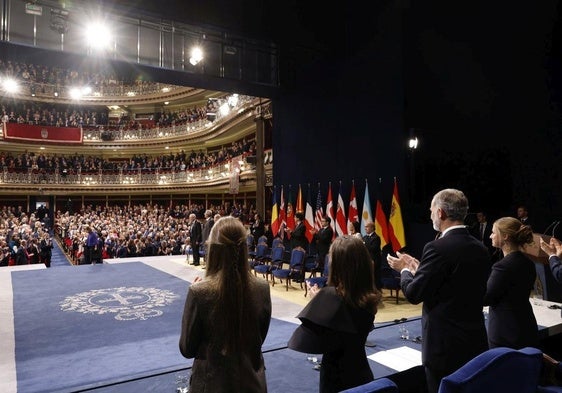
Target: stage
(114, 327)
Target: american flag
(319, 211)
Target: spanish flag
(395, 223)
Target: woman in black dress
(511, 322)
(340, 316)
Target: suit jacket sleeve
(325, 235)
(196, 232)
(429, 276)
(556, 267)
(300, 230)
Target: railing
(95, 134)
(125, 177)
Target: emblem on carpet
(128, 303)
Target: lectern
(550, 289)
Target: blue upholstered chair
(260, 256)
(381, 385)
(390, 279)
(295, 270)
(498, 370)
(321, 280)
(275, 262)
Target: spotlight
(196, 55)
(413, 143)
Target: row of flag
(390, 231)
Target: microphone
(554, 224)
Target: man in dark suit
(482, 231)
(451, 281)
(257, 228)
(207, 226)
(523, 215)
(195, 236)
(298, 235)
(373, 243)
(323, 238)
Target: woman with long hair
(226, 317)
(338, 319)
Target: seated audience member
(554, 250)
(511, 321)
(338, 319)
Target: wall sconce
(413, 143)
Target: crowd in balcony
(103, 79)
(42, 114)
(37, 113)
(70, 164)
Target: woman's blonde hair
(517, 233)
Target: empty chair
(321, 280)
(276, 241)
(274, 262)
(311, 265)
(295, 270)
(498, 370)
(390, 279)
(381, 385)
(262, 253)
(262, 239)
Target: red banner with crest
(42, 134)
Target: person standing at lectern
(554, 250)
(511, 321)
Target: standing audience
(338, 319)
(450, 280)
(298, 235)
(354, 229)
(373, 243)
(207, 225)
(523, 215)
(195, 237)
(226, 317)
(511, 321)
(323, 238)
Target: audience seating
(498, 370)
(390, 279)
(275, 262)
(295, 270)
(262, 252)
(321, 280)
(381, 385)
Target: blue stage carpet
(86, 326)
